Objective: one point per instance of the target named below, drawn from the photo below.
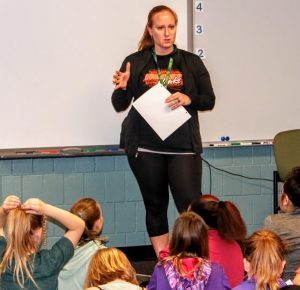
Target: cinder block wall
(61, 181)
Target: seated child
(73, 274)
(111, 270)
(23, 265)
(264, 261)
(286, 222)
(188, 265)
(226, 229)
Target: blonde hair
(265, 251)
(146, 40)
(108, 265)
(20, 227)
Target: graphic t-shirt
(180, 140)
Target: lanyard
(164, 82)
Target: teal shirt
(73, 274)
(47, 265)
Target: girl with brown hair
(263, 261)
(226, 229)
(188, 266)
(111, 270)
(23, 264)
(73, 274)
(286, 222)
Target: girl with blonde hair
(111, 270)
(263, 261)
(23, 265)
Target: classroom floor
(143, 259)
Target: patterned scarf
(179, 282)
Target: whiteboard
(57, 58)
(252, 51)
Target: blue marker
(225, 138)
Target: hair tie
(221, 204)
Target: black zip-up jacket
(197, 86)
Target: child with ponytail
(22, 264)
(264, 261)
(226, 229)
(73, 274)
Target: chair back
(287, 151)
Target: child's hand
(34, 206)
(10, 203)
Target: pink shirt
(227, 254)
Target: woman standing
(176, 161)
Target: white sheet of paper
(152, 107)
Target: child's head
(221, 215)
(25, 233)
(189, 236)
(25, 229)
(90, 211)
(108, 265)
(264, 258)
(290, 196)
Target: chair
(287, 156)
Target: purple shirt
(216, 281)
(250, 285)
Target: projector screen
(57, 60)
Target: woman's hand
(120, 79)
(34, 206)
(10, 203)
(178, 99)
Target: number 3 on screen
(198, 29)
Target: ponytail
(230, 224)
(223, 216)
(265, 251)
(89, 211)
(20, 244)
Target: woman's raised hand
(120, 79)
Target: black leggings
(154, 174)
